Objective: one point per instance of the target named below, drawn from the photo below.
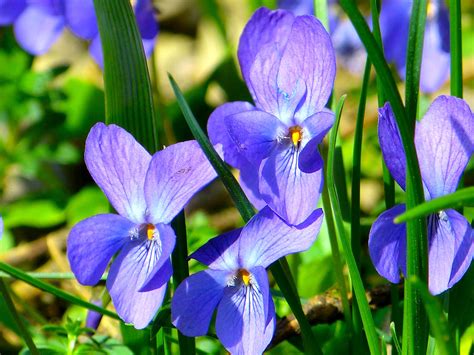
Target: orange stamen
(245, 276)
(295, 134)
(150, 231)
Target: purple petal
(36, 29)
(282, 185)
(221, 252)
(92, 243)
(195, 299)
(127, 275)
(391, 145)
(80, 17)
(315, 128)
(118, 164)
(93, 318)
(10, 10)
(95, 50)
(309, 61)
(387, 244)
(249, 180)
(266, 238)
(241, 322)
(145, 15)
(350, 52)
(255, 133)
(451, 248)
(298, 7)
(444, 142)
(263, 28)
(219, 135)
(148, 46)
(176, 173)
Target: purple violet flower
(147, 192)
(394, 25)
(38, 23)
(236, 282)
(444, 141)
(289, 66)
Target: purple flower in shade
(394, 25)
(444, 141)
(289, 67)
(147, 192)
(236, 282)
(38, 23)
(93, 318)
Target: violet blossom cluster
(37, 24)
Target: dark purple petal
(315, 128)
(176, 173)
(451, 248)
(255, 133)
(435, 63)
(36, 29)
(444, 142)
(118, 164)
(241, 322)
(10, 10)
(145, 15)
(308, 60)
(387, 244)
(266, 238)
(391, 145)
(249, 180)
(127, 275)
(95, 50)
(93, 318)
(263, 28)
(80, 17)
(221, 252)
(289, 192)
(92, 243)
(219, 135)
(195, 299)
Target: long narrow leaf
(455, 34)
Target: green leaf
(128, 95)
(455, 33)
(86, 203)
(20, 275)
(138, 340)
(39, 214)
(460, 198)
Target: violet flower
(236, 282)
(38, 24)
(394, 26)
(444, 141)
(147, 192)
(289, 67)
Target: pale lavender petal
(80, 17)
(148, 46)
(391, 145)
(444, 142)
(92, 243)
(95, 50)
(315, 128)
(282, 185)
(308, 61)
(128, 273)
(195, 300)
(255, 133)
(266, 238)
(176, 173)
(219, 135)
(298, 7)
(350, 52)
(241, 320)
(221, 252)
(36, 29)
(263, 28)
(118, 164)
(10, 10)
(451, 249)
(387, 244)
(249, 181)
(145, 15)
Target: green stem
(187, 345)
(455, 33)
(321, 12)
(21, 326)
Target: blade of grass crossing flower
(20, 275)
(128, 94)
(321, 12)
(455, 34)
(462, 197)
(21, 326)
(179, 259)
(438, 322)
(283, 278)
(366, 316)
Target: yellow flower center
(296, 134)
(245, 276)
(150, 231)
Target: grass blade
(455, 33)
